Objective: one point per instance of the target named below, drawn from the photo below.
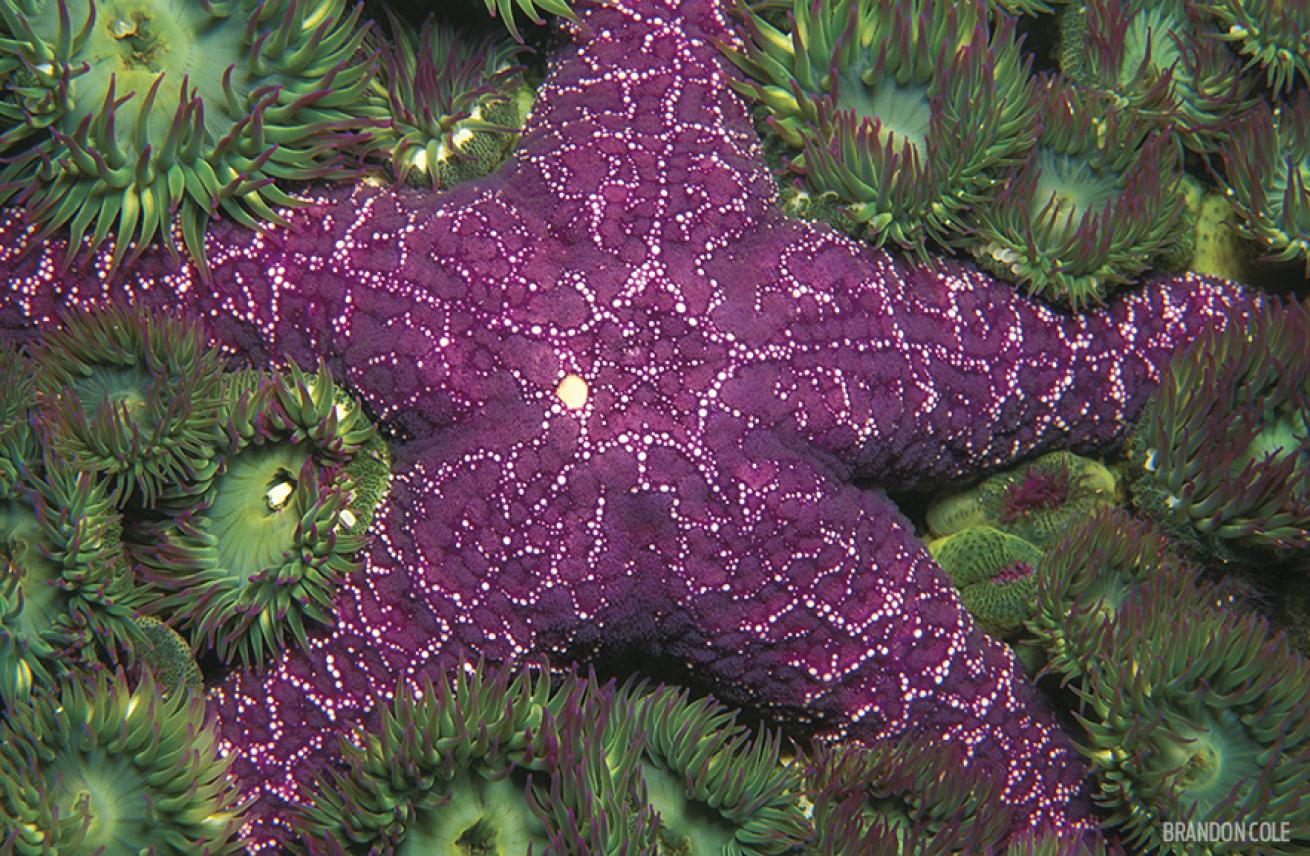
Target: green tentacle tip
(995, 574)
(127, 120)
(715, 787)
(1195, 712)
(102, 766)
(905, 136)
(901, 796)
(494, 760)
(252, 556)
(504, 9)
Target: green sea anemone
(132, 396)
(1222, 449)
(995, 574)
(901, 797)
(455, 104)
(714, 786)
(504, 9)
(1038, 500)
(1271, 33)
(1153, 58)
(18, 443)
(484, 762)
(907, 112)
(1097, 201)
(1086, 579)
(105, 767)
(1198, 715)
(66, 593)
(129, 116)
(1266, 170)
(257, 550)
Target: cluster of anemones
(990, 538)
(126, 120)
(1193, 709)
(1221, 454)
(145, 490)
(919, 124)
(500, 761)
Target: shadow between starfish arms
(631, 401)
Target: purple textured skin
(743, 370)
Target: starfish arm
(814, 598)
(909, 375)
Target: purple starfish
(632, 401)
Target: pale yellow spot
(572, 391)
(278, 494)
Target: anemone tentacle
(715, 787)
(909, 113)
(454, 104)
(488, 759)
(504, 9)
(1222, 450)
(1157, 61)
(1197, 714)
(1266, 171)
(255, 552)
(1097, 201)
(900, 797)
(132, 396)
(1086, 579)
(131, 116)
(67, 597)
(1270, 33)
(107, 767)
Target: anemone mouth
(900, 115)
(480, 815)
(124, 392)
(136, 115)
(1037, 501)
(1039, 489)
(1070, 194)
(994, 573)
(254, 554)
(109, 796)
(1098, 199)
(1195, 712)
(256, 508)
(1213, 761)
(100, 765)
